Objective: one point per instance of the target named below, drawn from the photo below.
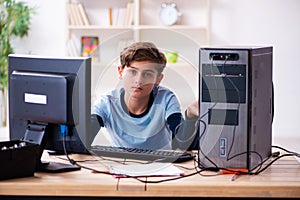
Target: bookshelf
(142, 23)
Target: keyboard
(142, 154)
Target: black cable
(292, 152)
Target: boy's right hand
(193, 110)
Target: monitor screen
(47, 96)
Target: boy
(142, 114)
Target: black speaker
(235, 106)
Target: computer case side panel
(260, 105)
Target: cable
(292, 152)
(64, 132)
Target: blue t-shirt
(150, 131)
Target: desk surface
(281, 179)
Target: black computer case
(235, 106)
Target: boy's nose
(139, 79)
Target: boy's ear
(120, 70)
(158, 80)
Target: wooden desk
(282, 179)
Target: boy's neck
(137, 107)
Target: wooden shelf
(97, 27)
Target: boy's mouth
(137, 88)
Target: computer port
(223, 56)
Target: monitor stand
(56, 167)
(37, 133)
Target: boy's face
(139, 78)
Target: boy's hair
(143, 51)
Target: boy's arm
(96, 124)
(174, 121)
(187, 136)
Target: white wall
(271, 22)
(233, 22)
(47, 34)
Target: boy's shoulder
(162, 88)
(111, 94)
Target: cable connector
(63, 130)
(73, 162)
(275, 154)
(237, 171)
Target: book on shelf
(110, 11)
(73, 46)
(70, 13)
(129, 13)
(77, 14)
(90, 47)
(83, 14)
(122, 16)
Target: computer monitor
(47, 96)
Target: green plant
(14, 22)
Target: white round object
(169, 14)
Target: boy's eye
(148, 75)
(132, 71)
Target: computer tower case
(235, 106)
